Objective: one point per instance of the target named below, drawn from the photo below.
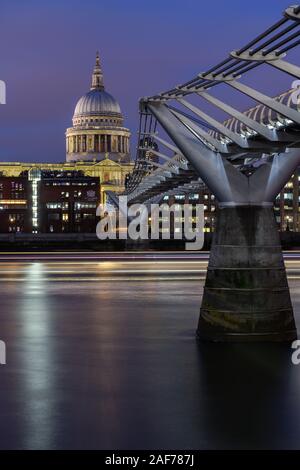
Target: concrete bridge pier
(246, 294)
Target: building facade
(287, 205)
(67, 202)
(15, 203)
(98, 132)
(49, 202)
(111, 175)
(177, 201)
(30, 193)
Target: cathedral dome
(98, 132)
(97, 102)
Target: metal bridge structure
(245, 161)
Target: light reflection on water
(114, 364)
(38, 355)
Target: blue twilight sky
(47, 52)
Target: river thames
(102, 354)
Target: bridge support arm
(225, 181)
(268, 180)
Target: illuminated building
(287, 209)
(67, 202)
(15, 202)
(49, 202)
(204, 197)
(98, 132)
(111, 174)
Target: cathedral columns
(108, 143)
(97, 143)
(113, 143)
(90, 143)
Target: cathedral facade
(98, 132)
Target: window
(54, 216)
(85, 205)
(57, 205)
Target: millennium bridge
(245, 161)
